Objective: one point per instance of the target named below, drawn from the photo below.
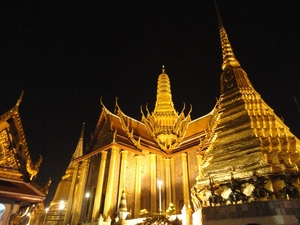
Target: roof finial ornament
(227, 52)
(218, 15)
(116, 105)
(20, 99)
(82, 130)
(163, 69)
(101, 102)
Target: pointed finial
(227, 52)
(82, 130)
(123, 202)
(218, 15)
(163, 69)
(20, 99)
(101, 102)
(116, 105)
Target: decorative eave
(26, 167)
(104, 117)
(19, 190)
(119, 130)
(210, 133)
(126, 128)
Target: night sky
(66, 55)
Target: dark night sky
(66, 55)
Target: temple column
(185, 178)
(153, 182)
(161, 176)
(200, 163)
(122, 174)
(99, 188)
(108, 204)
(173, 181)
(137, 194)
(81, 189)
(71, 194)
(168, 181)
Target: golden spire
(163, 69)
(164, 105)
(165, 126)
(233, 76)
(79, 149)
(227, 52)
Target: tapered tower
(166, 127)
(249, 154)
(64, 200)
(247, 135)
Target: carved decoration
(165, 126)
(7, 157)
(126, 128)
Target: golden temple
(238, 154)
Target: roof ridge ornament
(101, 102)
(15, 109)
(116, 105)
(126, 126)
(20, 99)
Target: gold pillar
(137, 194)
(81, 189)
(173, 181)
(200, 163)
(168, 182)
(122, 174)
(153, 182)
(71, 194)
(108, 204)
(185, 178)
(161, 175)
(99, 188)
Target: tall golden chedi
(249, 155)
(60, 206)
(237, 164)
(245, 134)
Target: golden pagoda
(19, 194)
(249, 155)
(245, 135)
(60, 206)
(238, 157)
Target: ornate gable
(15, 159)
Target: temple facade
(239, 154)
(19, 194)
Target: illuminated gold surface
(165, 126)
(17, 170)
(245, 138)
(70, 186)
(239, 139)
(14, 152)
